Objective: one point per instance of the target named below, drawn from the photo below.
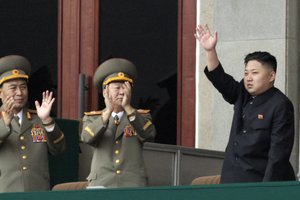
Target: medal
(129, 131)
(38, 134)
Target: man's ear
(272, 76)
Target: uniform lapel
(15, 126)
(25, 122)
(120, 127)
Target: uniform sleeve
(56, 141)
(143, 126)
(282, 140)
(92, 129)
(224, 83)
(4, 132)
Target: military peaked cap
(114, 70)
(14, 67)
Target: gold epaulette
(143, 111)
(32, 111)
(93, 113)
(29, 112)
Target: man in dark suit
(262, 131)
(26, 136)
(119, 131)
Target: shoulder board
(142, 111)
(32, 111)
(93, 113)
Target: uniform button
(235, 143)
(117, 161)
(243, 116)
(24, 168)
(236, 157)
(24, 157)
(116, 142)
(23, 147)
(244, 131)
(22, 138)
(117, 151)
(118, 172)
(251, 102)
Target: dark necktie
(116, 120)
(17, 119)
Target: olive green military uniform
(24, 147)
(117, 159)
(118, 147)
(24, 154)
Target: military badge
(129, 131)
(260, 116)
(38, 134)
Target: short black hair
(263, 57)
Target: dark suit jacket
(262, 132)
(118, 150)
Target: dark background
(145, 32)
(29, 28)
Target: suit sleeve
(282, 140)
(144, 127)
(4, 132)
(56, 141)
(224, 83)
(92, 129)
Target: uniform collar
(262, 98)
(20, 115)
(120, 115)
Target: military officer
(262, 130)
(26, 136)
(119, 131)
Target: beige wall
(246, 26)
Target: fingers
(8, 104)
(37, 105)
(201, 31)
(47, 97)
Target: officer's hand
(8, 110)
(127, 94)
(43, 110)
(108, 99)
(207, 41)
(127, 98)
(108, 105)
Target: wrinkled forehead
(116, 84)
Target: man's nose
(248, 77)
(18, 91)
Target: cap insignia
(15, 72)
(121, 74)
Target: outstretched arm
(208, 42)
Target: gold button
(24, 168)
(24, 157)
(118, 161)
(22, 138)
(116, 142)
(118, 171)
(117, 151)
(23, 147)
